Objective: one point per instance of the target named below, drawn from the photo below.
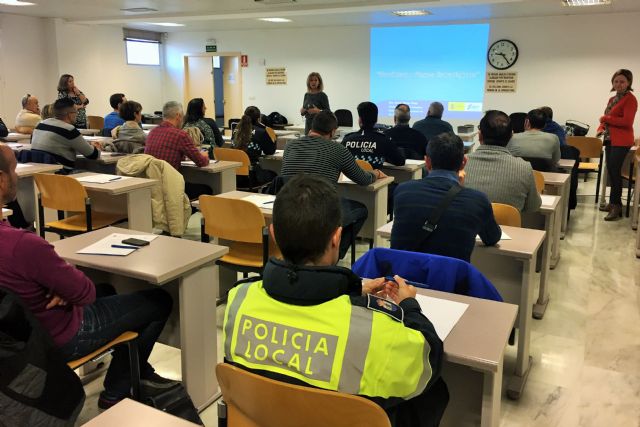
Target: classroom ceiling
(204, 15)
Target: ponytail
(244, 131)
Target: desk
(558, 184)
(412, 169)
(187, 270)
(26, 192)
(566, 165)
(14, 137)
(131, 196)
(220, 176)
(89, 131)
(473, 360)
(148, 126)
(129, 413)
(106, 163)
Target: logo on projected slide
(364, 146)
(464, 106)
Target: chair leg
(598, 178)
(41, 216)
(222, 413)
(134, 365)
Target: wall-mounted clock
(502, 54)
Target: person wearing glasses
(59, 137)
(67, 89)
(29, 116)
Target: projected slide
(419, 65)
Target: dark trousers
(569, 152)
(354, 214)
(17, 219)
(194, 191)
(615, 158)
(144, 312)
(424, 410)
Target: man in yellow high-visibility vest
(309, 322)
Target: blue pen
(409, 282)
(124, 247)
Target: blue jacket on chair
(437, 272)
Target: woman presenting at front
(315, 100)
(616, 127)
(67, 89)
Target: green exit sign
(212, 48)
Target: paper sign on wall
(276, 76)
(501, 82)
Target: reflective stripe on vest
(334, 345)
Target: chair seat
(247, 254)
(78, 222)
(588, 166)
(124, 337)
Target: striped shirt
(323, 157)
(62, 140)
(505, 179)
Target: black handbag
(175, 401)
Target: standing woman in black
(67, 89)
(315, 100)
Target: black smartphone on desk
(135, 242)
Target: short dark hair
(446, 151)
(402, 114)
(129, 109)
(517, 121)
(496, 128)
(537, 118)
(623, 72)
(547, 111)
(62, 107)
(368, 112)
(115, 100)
(306, 213)
(324, 122)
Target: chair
(95, 122)
(345, 118)
(232, 123)
(242, 225)
(364, 165)
(506, 214)
(539, 178)
(629, 173)
(245, 398)
(66, 194)
(235, 155)
(130, 339)
(590, 148)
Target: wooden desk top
(566, 163)
(478, 340)
(15, 136)
(100, 139)
(89, 131)
(129, 413)
(555, 178)
(377, 185)
(19, 146)
(549, 207)
(165, 259)
(148, 126)
(29, 169)
(121, 186)
(268, 213)
(216, 167)
(411, 167)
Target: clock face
(502, 54)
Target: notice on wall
(501, 82)
(276, 76)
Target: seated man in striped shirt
(318, 154)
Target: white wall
(565, 62)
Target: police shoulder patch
(385, 306)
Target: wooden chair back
(232, 219)
(61, 192)
(290, 405)
(539, 178)
(95, 122)
(590, 147)
(506, 215)
(234, 155)
(364, 165)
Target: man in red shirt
(170, 143)
(79, 316)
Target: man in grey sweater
(492, 169)
(533, 142)
(60, 138)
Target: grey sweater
(62, 140)
(502, 177)
(535, 144)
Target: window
(143, 47)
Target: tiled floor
(586, 350)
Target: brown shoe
(614, 214)
(605, 208)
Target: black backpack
(276, 118)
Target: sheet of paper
(547, 200)
(105, 245)
(504, 236)
(23, 166)
(344, 180)
(263, 201)
(192, 163)
(414, 162)
(101, 178)
(444, 314)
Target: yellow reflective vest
(334, 345)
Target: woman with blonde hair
(315, 100)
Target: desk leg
(516, 383)
(491, 396)
(28, 201)
(198, 334)
(566, 188)
(139, 210)
(555, 238)
(376, 203)
(227, 181)
(540, 306)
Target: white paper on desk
(547, 200)
(414, 162)
(263, 201)
(192, 163)
(344, 180)
(104, 246)
(504, 236)
(101, 178)
(444, 314)
(278, 153)
(23, 165)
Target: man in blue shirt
(468, 214)
(113, 119)
(553, 127)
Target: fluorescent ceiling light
(585, 2)
(165, 24)
(411, 12)
(16, 3)
(275, 19)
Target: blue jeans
(354, 214)
(144, 312)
